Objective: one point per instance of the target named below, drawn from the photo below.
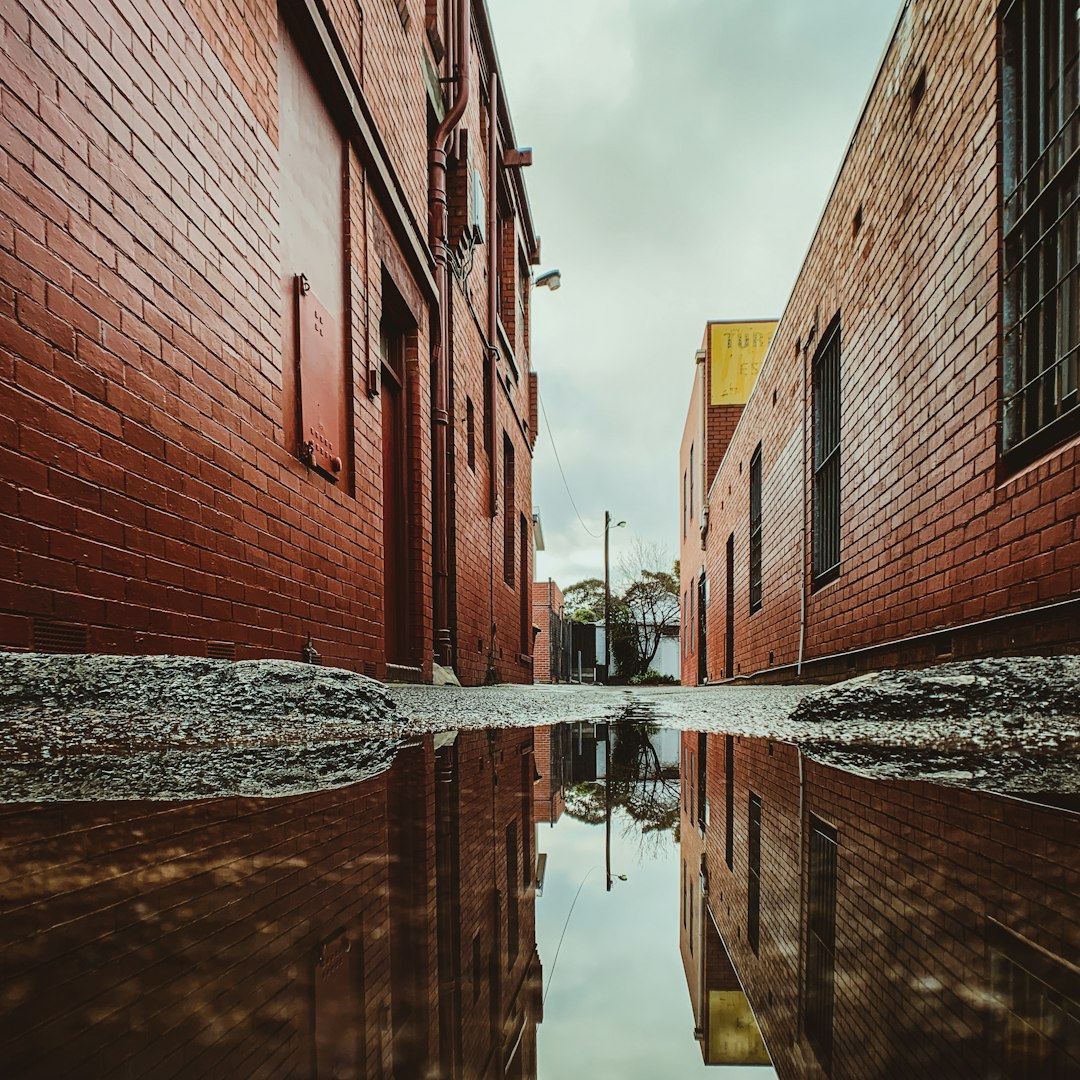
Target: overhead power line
(547, 424)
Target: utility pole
(607, 595)
(607, 602)
(607, 806)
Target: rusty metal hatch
(321, 437)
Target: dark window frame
(513, 913)
(470, 433)
(819, 971)
(755, 530)
(826, 415)
(729, 801)
(509, 523)
(1040, 222)
(690, 473)
(753, 872)
(1030, 985)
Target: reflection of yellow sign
(736, 351)
(734, 1038)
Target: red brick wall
(922, 871)
(483, 597)
(495, 778)
(145, 939)
(691, 849)
(136, 927)
(547, 605)
(149, 488)
(934, 534)
(549, 796)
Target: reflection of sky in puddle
(617, 1002)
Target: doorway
(396, 599)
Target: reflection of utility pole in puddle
(573, 904)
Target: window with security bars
(512, 912)
(1035, 1017)
(1040, 103)
(820, 961)
(508, 511)
(755, 530)
(826, 495)
(753, 875)
(702, 773)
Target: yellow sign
(734, 1038)
(736, 352)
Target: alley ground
(182, 727)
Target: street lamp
(607, 595)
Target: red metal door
(315, 377)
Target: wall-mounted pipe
(491, 390)
(438, 226)
(805, 499)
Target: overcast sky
(683, 151)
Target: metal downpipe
(440, 415)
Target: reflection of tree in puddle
(643, 788)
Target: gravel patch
(168, 727)
(94, 727)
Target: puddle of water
(576, 900)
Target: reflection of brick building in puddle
(879, 928)
(566, 754)
(552, 749)
(364, 931)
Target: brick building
(264, 326)
(903, 483)
(726, 366)
(551, 648)
(382, 929)
(878, 928)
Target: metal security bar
(729, 801)
(820, 942)
(753, 875)
(1040, 103)
(1035, 1016)
(826, 496)
(755, 530)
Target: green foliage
(584, 600)
(646, 608)
(646, 792)
(652, 677)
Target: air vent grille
(51, 636)
(221, 650)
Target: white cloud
(684, 150)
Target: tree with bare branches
(651, 597)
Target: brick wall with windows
(167, 918)
(492, 369)
(917, 896)
(950, 541)
(497, 895)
